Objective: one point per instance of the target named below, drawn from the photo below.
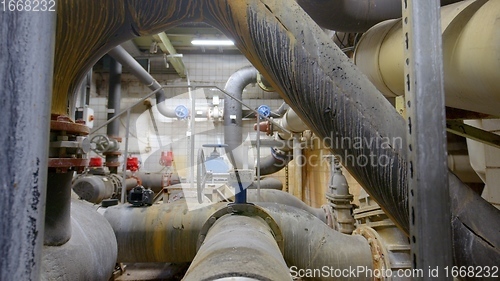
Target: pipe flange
(242, 209)
(64, 123)
(380, 254)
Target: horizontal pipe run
(239, 246)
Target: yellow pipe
(471, 44)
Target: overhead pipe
(308, 242)
(239, 246)
(470, 76)
(123, 57)
(353, 16)
(26, 90)
(310, 72)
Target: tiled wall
(147, 143)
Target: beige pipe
(471, 44)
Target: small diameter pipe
(239, 246)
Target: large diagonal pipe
(314, 77)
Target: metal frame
(429, 199)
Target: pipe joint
(244, 209)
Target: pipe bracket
(242, 209)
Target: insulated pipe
(95, 188)
(308, 242)
(90, 254)
(302, 63)
(284, 198)
(57, 210)
(471, 56)
(353, 15)
(114, 98)
(233, 113)
(123, 57)
(26, 69)
(239, 246)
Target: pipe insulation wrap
(299, 60)
(353, 15)
(239, 246)
(91, 252)
(26, 75)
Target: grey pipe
(275, 162)
(284, 198)
(239, 246)
(315, 78)
(353, 15)
(267, 183)
(91, 252)
(122, 56)
(114, 98)
(95, 188)
(309, 243)
(233, 113)
(233, 124)
(26, 89)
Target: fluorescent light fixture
(204, 42)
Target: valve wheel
(102, 143)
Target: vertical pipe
(428, 193)
(297, 155)
(114, 97)
(26, 67)
(57, 209)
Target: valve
(103, 144)
(181, 112)
(264, 111)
